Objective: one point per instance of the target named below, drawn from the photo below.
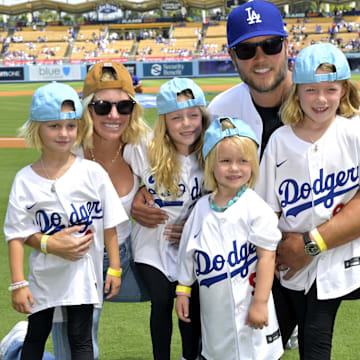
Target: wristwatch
(311, 247)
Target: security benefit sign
(54, 72)
(168, 69)
(11, 73)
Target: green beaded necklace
(231, 202)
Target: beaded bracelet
(112, 272)
(18, 285)
(43, 243)
(183, 290)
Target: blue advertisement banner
(216, 67)
(168, 69)
(11, 73)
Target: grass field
(124, 328)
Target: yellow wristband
(183, 289)
(43, 243)
(319, 239)
(116, 273)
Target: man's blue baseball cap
(166, 99)
(254, 18)
(47, 100)
(215, 133)
(311, 57)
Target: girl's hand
(144, 212)
(112, 285)
(182, 308)
(173, 233)
(21, 298)
(257, 316)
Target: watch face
(312, 249)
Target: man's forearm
(344, 226)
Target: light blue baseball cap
(215, 133)
(166, 99)
(47, 100)
(311, 57)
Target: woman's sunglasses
(246, 51)
(103, 107)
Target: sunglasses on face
(272, 46)
(103, 107)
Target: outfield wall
(145, 70)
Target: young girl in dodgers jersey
(310, 169)
(228, 244)
(60, 190)
(170, 165)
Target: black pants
(316, 319)
(79, 331)
(162, 293)
(285, 310)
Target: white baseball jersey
(236, 102)
(218, 249)
(309, 183)
(84, 196)
(150, 245)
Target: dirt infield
(6, 142)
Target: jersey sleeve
(265, 186)
(185, 258)
(18, 222)
(263, 225)
(136, 156)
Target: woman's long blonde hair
(291, 112)
(137, 126)
(163, 156)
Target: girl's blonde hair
(163, 156)
(30, 131)
(137, 126)
(246, 147)
(291, 112)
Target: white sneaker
(293, 340)
(18, 333)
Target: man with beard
(258, 49)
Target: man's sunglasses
(246, 51)
(103, 107)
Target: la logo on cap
(253, 17)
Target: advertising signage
(11, 73)
(168, 69)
